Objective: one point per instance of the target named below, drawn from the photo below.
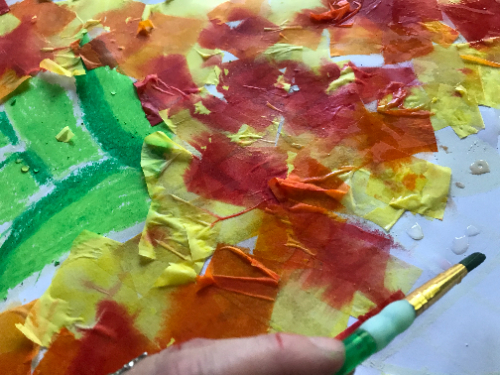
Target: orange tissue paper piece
(145, 27)
(16, 350)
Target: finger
(278, 354)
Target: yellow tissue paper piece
(70, 62)
(45, 329)
(400, 275)
(442, 72)
(304, 313)
(239, 229)
(284, 51)
(158, 153)
(99, 269)
(360, 304)
(385, 217)
(146, 12)
(289, 161)
(8, 22)
(89, 275)
(207, 53)
(65, 135)
(164, 114)
(54, 67)
(443, 65)
(346, 77)
(175, 223)
(485, 63)
(138, 274)
(201, 239)
(442, 34)
(460, 112)
(313, 58)
(177, 274)
(186, 128)
(201, 109)
(282, 84)
(414, 185)
(196, 58)
(473, 84)
(89, 24)
(490, 78)
(188, 239)
(182, 227)
(360, 203)
(213, 76)
(245, 136)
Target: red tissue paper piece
(372, 82)
(102, 350)
(340, 12)
(346, 257)
(475, 19)
(247, 88)
(404, 12)
(234, 174)
(95, 54)
(45, 17)
(337, 256)
(20, 50)
(248, 39)
(4, 8)
(170, 88)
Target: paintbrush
(377, 332)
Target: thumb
(278, 354)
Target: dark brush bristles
(473, 260)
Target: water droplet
(472, 231)
(416, 232)
(460, 245)
(480, 167)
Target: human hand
(276, 354)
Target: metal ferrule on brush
(422, 298)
